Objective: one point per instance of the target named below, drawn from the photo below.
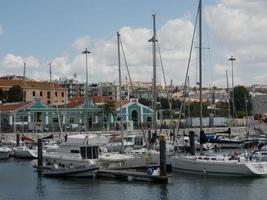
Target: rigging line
(187, 70)
(163, 74)
(161, 63)
(126, 64)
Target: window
(48, 102)
(48, 95)
(62, 94)
(33, 93)
(83, 152)
(74, 151)
(56, 94)
(89, 152)
(41, 93)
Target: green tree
(144, 101)
(15, 94)
(109, 107)
(241, 94)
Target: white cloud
(13, 61)
(241, 26)
(82, 43)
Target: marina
(176, 109)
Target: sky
(38, 32)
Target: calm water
(19, 181)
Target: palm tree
(109, 109)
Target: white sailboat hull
(225, 167)
(4, 155)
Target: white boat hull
(4, 154)
(25, 153)
(221, 168)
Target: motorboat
(78, 150)
(25, 152)
(135, 141)
(4, 152)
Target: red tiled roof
(100, 99)
(29, 84)
(75, 102)
(11, 107)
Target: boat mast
(86, 99)
(119, 63)
(200, 69)
(154, 88)
(229, 110)
(200, 62)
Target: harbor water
(18, 181)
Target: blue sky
(42, 31)
(47, 28)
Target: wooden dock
(131, 175)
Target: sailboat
(234, 165)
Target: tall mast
(229, 112)
(23, 98)
(154, 88)
(200, 62)
(200, 70)
(232, 59)
(86, 99)
(119, 64)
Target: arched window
(62, 94)
(41, 93)
(33, 93)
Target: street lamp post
(86, 99)
(232, 59)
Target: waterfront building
(135, 115)
(37, 116)
(48, 93)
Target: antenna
(50, 72)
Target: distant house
(48, 93)
(135, 114)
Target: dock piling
(40, 152)
(17, 139)
(192, 142)
(162, 149)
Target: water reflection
(19, 181)
(163, 192)
(40, 186)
